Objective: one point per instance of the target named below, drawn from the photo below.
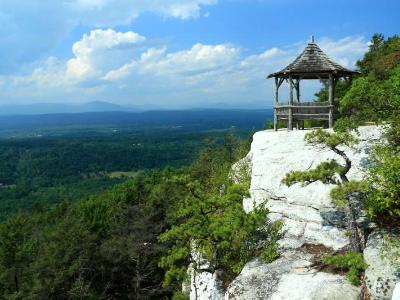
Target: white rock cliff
(309, 215)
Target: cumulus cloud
(91, 52)
(30, 29)
(200, 59)
(121, 67)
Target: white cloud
(30, 29)
(193, 63)
(92, 51)
(346, 50)
(108, 12)
(121, 67)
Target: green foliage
(104, 246)
(345, 124)
(180, 296)
(269, 124)
(341, 192)
(70, 166)
(218, 228)
(330, 140)
(392, 134)
(81, 290)
(269, 249)
(44, 249)
(383, 178)
(371, 100)
(351, 262)
(375, 96)
(382, 56)
(101, 213)
(324, 172)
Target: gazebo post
(276, 103)
(297, 88)
(330, 100)
(290, 118)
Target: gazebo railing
(306, 104)
(303, 110)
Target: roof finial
(312, 39)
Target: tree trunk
(352, 227)
(16, 282)
(195, 284)
(137, 282)
(346, 168)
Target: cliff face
(309, 214)
(312, 222)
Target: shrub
(383, 201)
(180, 296)
(270, 249)
(351, 262)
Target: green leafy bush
(383, 199)
(180, 296)
(351, 262)
(269, 124)
(269, 249)
(330, 140)
(341, 192)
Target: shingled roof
(313, 63)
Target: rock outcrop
(309, 215)
(383, 272)
(289, 277)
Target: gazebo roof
(313, 63)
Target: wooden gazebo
(312, 63)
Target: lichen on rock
(383, 272)
(289, 277)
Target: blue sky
(173, 53)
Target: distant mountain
(53, 108)
(201, 119)
(102, 106)
(237, 105)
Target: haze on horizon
(173, 53)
